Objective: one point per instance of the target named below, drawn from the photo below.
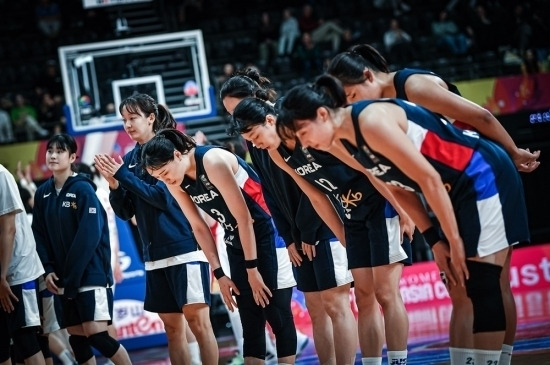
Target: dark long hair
(349, 66)
(246, 83)
(159, 150)
(145, 105)
(302, 102)
(249, 113)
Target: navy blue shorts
(91, 305)
(489, 203)
(329, 268)
(170, 288)
(267, 262)
(375, 239)
(26, 313)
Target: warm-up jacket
(163, 228)
(72, 235)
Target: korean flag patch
(92, 210)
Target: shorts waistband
(176, 260)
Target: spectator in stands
(308, 19)
(530, 64)
(50, 113)
(481, 29)
(227, 72)
(348, 39)
(289, 31)
(308, 57)
(48, 18)
(398, 44)
(529, 90)
(397, 7)
(268, 33)
(520, 29)
(24, 120)
(321, 30)
(50, 80)
(96, 24)
(460, 9)
(6, 130)
(449, 37)
(541, 28)
(190, 13)
(26, 182)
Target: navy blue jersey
(446, 147)
(163, 228)
(297, 211)
(274, 186)
(349, 187)
(401, 77)
(72, 234)
(207, 196)
(478, 174)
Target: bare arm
(112, 168)
(430, 92)
(320, 201)
(7, 243)
(202, 233)
(221, 174)
(412, 204)
(407, 224)
(389, 139)
(221, 167)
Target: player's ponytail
(349, 67)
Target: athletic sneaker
(237, 360)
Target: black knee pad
(255, 347)
(483, 289)
(81, 348)
(253, 323)
(280, 318)
(45, 346)
(25, 341)
(286, 340)
(104, 343)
